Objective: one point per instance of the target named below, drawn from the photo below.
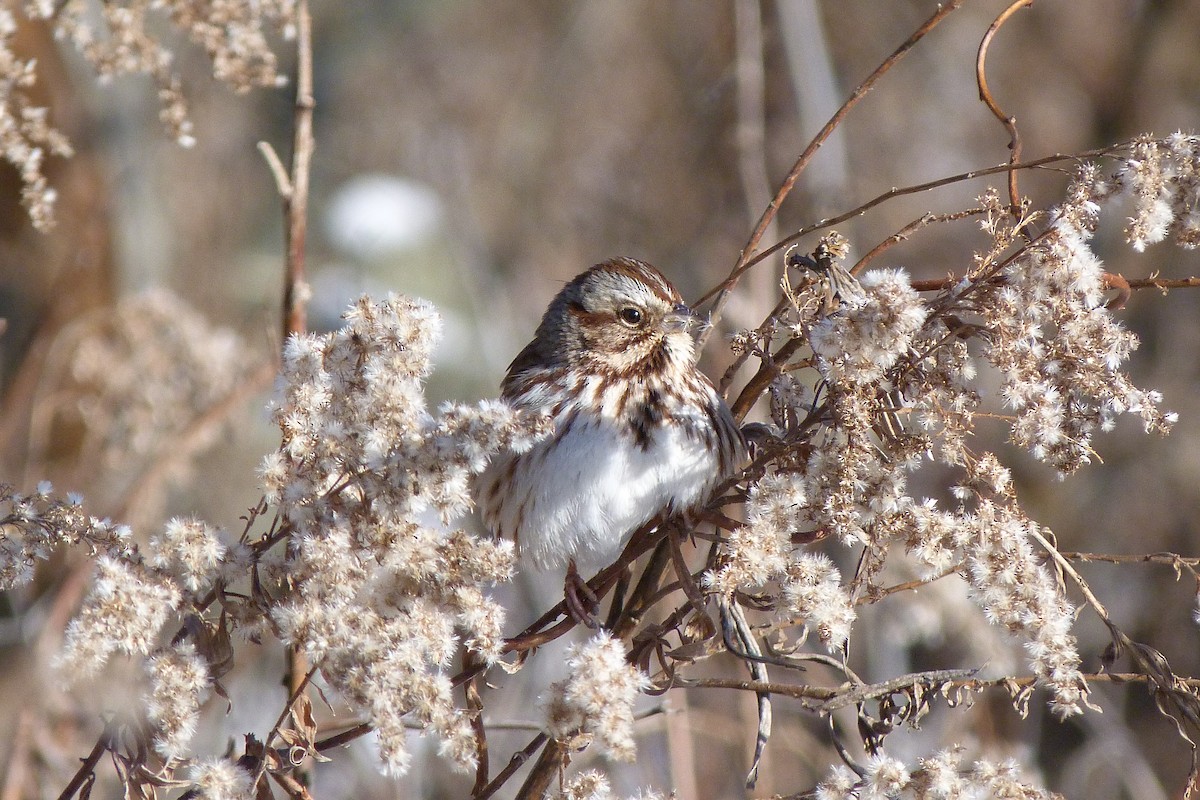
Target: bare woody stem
(1174, 698)
(917, 188)
(1111, 281)
(295, 199)
(550, 763)
(515, 763)
(295, 290)
(818, 698)
(985, 94)
(89, 763)
(768, 216)
(294, 695)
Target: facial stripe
(644, 274)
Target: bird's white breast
(581, 494)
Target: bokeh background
(481, 154)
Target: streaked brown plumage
(639, 430)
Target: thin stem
(479, 727)
(345, 737)
(985, 94)
(819, 698)
(553, 759)
(89, 763)
(1171, 559)
(295, 209)
(907, 231)
(1111, 281)
(283, 183)
(295, 202)
(746, 259)
(515, 763)
(283, 715)
(891, 194)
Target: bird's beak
(682, 318)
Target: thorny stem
(746, 259)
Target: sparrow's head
(622, 315)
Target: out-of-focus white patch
(373, 215)
(336, 286)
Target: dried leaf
(515, 667)
(292, 738)
(302, 718)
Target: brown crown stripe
(643, 272)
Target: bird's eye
(630, 316)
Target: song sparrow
(639, 430)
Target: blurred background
(480, 155)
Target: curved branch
(892, 194)
(89, 764)
(746, 259)
(985, 94)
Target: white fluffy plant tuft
(383, 588)
(366, 570)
